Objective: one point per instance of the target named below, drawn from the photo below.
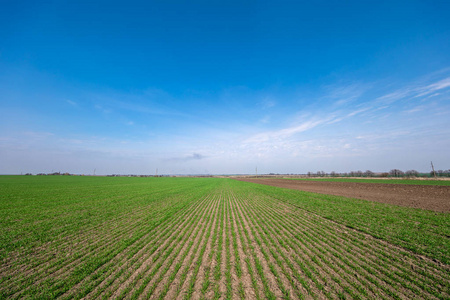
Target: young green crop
(97, 237)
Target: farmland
(193, 238)
(382, 180)
(424, 194)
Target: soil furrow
(159, 272)
(245, 281)
(269, 281)
(147, 250)
(328, 257)
(57, 271)
(198, 275)
(361, 260)
(180, 285)
(257, 287)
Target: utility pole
(432, 167)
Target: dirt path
(435, 198)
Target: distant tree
(309, 174)
(333, 174)
(384, 174)
(396, 173)
(412, 173)
(433, 173)
(359, 173)
(369, 173)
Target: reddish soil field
(436, 198)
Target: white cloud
(345, 93)
(356, 112)
(431, 88)
(73, 103)
(415, 90)
(442, 84)
(415, 109)
(265, 120)
(394, 96)
(284, 133)
(330, 129)
(102, 109)
(268, 103)
(186, 158)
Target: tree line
(391, 173)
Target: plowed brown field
(431, 197)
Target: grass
(98, 237)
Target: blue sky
(222, 87)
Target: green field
(386, 180)
(211, 238)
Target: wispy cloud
(343, 94)
(341, 124)
(394, 96)
(285, 132)
(73, 103)
(340, 129)
(103, 109)
(415, 109)
(415, 90)
(442, 84)
(265, 120)
(431, 88)
(150, 101)
(193, 156)
(357, 112)
(145, 109)
(268, 103)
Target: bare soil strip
(430, 197)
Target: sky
(224, 87)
